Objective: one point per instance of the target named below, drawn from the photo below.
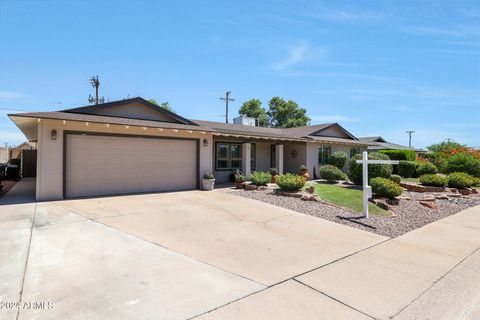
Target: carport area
(195, 254)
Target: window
(324, 154)
(228, 156)
(253, 156)
(354, 151)
(273, 159)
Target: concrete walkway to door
(212, 255)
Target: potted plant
(274, 173)
(304, 172)
(239, 180)
(208, 181)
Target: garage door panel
(102, 165)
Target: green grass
(411, 180)
(346, 197)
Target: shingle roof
(69, 116)
(88, 114)
(391, 146)
(90, 109)
(372, 139)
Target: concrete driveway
(212, 255)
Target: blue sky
(376, 67)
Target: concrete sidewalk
(430, 273)
(22, 192)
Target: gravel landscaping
(408, 215)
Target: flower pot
(208, 184)
(274, 179)
(304, 174)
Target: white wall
(50, 152)
(4, 155)
(291, 164)
(312, 156)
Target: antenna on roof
(227, 99)
(95, 82)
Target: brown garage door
(104, 165)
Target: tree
(165, 105)
(253, 108)
(286, 114)
(446, 146)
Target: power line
(227, 99)
(410, 137)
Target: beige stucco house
(132, 145)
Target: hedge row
(408, 155)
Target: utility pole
(227, 99)
(95, 82)
(410, 138)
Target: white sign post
(367, 190)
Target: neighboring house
(378, 143)
(132, 145)
(16, 152)
(4, 155)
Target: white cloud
(333, 118)
(297, 54)
(12, 137)
(347, 16)
(10, 95)
(453, 31)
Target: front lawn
(346, 197)
(415, 180)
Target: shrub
(290, 182)
(461, 180)
(406, 169)
(374, 170)
(396, 178)
(426, 168)
(338, 159)
(408, 155)
(385, 188)
(208, 175)
(239, 177)
(332, 173)
(433, 180)
(273, 171)
(260, 178)
(462, 162)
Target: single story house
(378, 143)
(132, 145)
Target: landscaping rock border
(408, 215)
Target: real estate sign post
(367, 190)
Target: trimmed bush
(461, 180)
(408, 155)
(374, 170)
(338, 159)
(332, 173)
(433, 180)
(406, 169)
(462, 162)
(260, 178)
(426, 168)
(396, 178)
(385, 188)
(290, 182)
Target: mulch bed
(409, 214)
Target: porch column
(279, 158)
(246, 158)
